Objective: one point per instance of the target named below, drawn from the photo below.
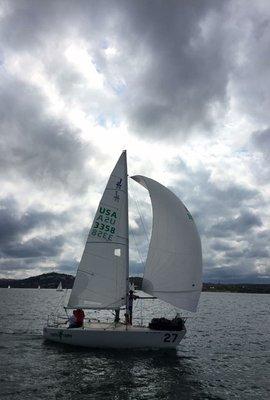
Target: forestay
(102, 274)
(173, 270)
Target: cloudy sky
(182, 85)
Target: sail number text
(169, 337)
(106, 228)
(103, 225)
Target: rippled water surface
(225, 354)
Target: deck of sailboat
(105, 326)
(114, 326)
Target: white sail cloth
(101, 279)
(173, 270)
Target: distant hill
(48, 281)
(52, 279)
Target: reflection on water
(224, 355)
(122, 374)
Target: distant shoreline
(52, 279)
(237, 288)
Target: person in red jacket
(79, 315)
(76, 320)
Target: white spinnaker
(101, 279)
(173, 270)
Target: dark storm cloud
(250, 250)
(181, 74)
(263, 235)
(16, 253)
(209, 201)
(175, 61)
(220, 245)
(257, 249)
(238, 273)
(37, 247)
(258, 253)
(260, 142)
(259, 243)
(14, 224)
(250, 48)
(171, 55)
(14, 265)
(229, 220)
(238, 225)
(200, 178)
(35, 146)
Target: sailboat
(173, 268)
(59, 287)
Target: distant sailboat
(59, 287)
(8, 286)
(172, 273)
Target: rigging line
(61, 302)
(138, 250)
(140, 213)
(66, 295)
(136, 244)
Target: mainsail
(173, 270)
(102, 276)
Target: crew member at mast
(117, 316)
(131, 297)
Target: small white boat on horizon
(59, 287)
(173, 269)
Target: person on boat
(117, 316)
(71, 321)
(76, 320)
(131, 297)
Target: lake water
(225, 354)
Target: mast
(127, 230)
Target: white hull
(110, 336)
